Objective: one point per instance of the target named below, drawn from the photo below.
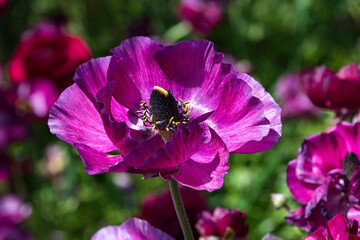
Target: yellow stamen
(151, 118)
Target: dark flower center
(164, 112)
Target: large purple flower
(121, 103)
(328, 89)
(325, 177)
(132, 229)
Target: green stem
(180, 210)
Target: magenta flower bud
(203, 15)
(132, 229)
(222, 222)
(328, 89)
(13, 210)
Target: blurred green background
(276, 36)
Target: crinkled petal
(135, 70)
(91, 76)
(239, 118)
(336, 227)
(184, 142)
(205, 170)
(74, 119)
(301, 191)
(132, 229)
(313, 158)
(96, 162)
(196, 73)
(272, 113)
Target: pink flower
(48, 51)
(328, 89)
(203, 15)
(293, 101)
(223, 222)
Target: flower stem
(180, 210)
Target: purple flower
(223, 222)
(293, 101)
(338, 228)
(328, 89)
(325, 177)
(132, 229)
(12, 212)
(194, 203)
(12, 127)
(120, 117)
(203, 15)
(37, 97)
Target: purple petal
(315, 222)
(196, 73)
(313, 164)
(74, 119)
(354, 214)
(184, 142)
(135, 70)
(239, 118)
(272, 113)
(132, 229)
(336, 227)
(271, 237)
(315, 236)
(91, 76)
(205, 170)
(351, 133)
(301, 191)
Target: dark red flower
(158, 209)
(48, 51)
(328, 89)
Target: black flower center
(351, 161)
(164, 112)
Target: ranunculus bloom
(293, 101)
(203, 15)
(167, 221)
(132, 229)
(325, 177)
(121, 103)
(48, 51)
(223, 222)
(328, 89)
(338, 228)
